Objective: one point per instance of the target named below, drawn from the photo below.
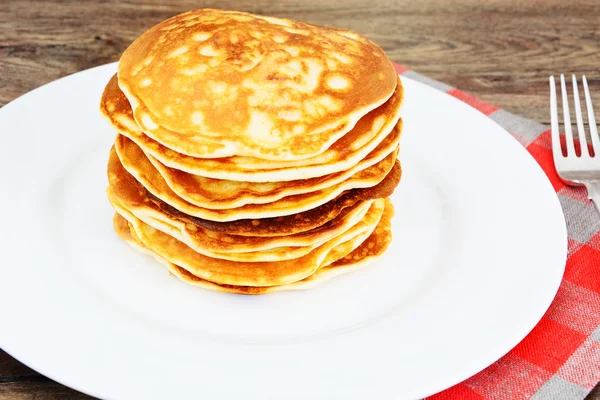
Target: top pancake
(213, 83)
(378, 131)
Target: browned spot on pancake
(250, 290)
(376, 244)
(113, 101)
(121, 227)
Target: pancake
(271, 255)
(369, 250)
(371, 133)
(248, 85)
(230, 247)
(375, 245)
(219, 194)
(253, 273)
(291, 224)
(136, 164)
(134, 201)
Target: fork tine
(567, 119)
(556, 149)
(591, 119)
(579, 118)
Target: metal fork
(572, 169)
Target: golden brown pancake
(291, 224)
(249, 254)
(222, 194)
(218, 194)
(243, 84)
(370, 135)
(370, 249)
(131, 204)
(129, 199)
(375, 244)
(133, 161)
(253, 273)
(271, 232)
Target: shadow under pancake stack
(253, 154)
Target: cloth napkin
(560, 358)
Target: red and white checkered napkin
(560, 358)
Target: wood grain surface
(501, 51)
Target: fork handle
(593, 188)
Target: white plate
(478, 253)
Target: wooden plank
(35, 390)
(17, 381)
(11, 369)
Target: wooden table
(501, 51)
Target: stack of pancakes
(253, 154)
